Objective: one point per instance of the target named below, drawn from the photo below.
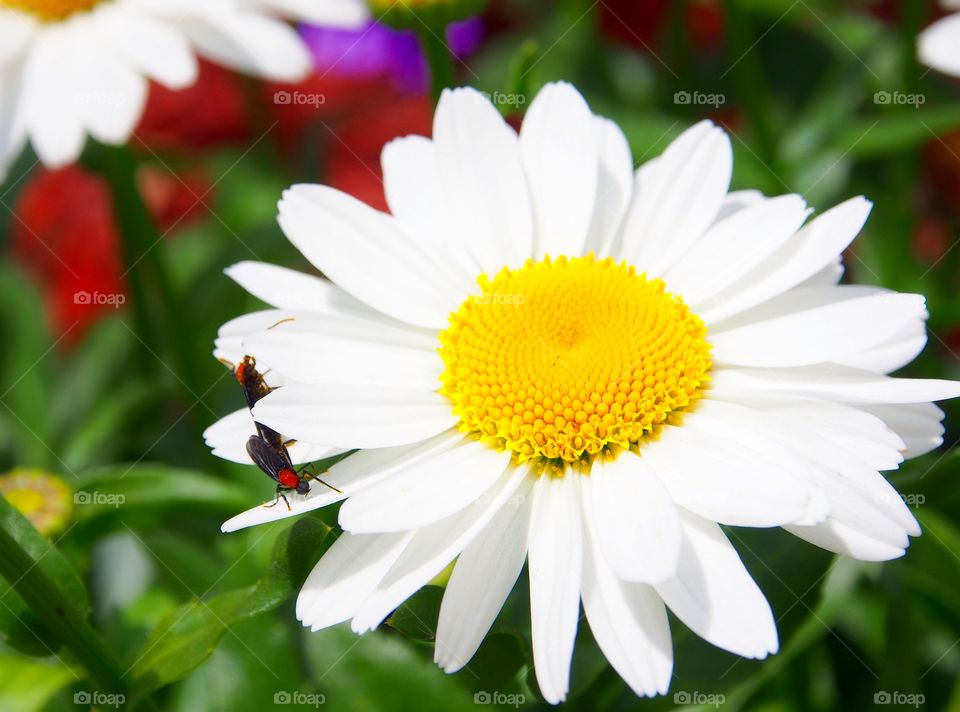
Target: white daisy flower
(69, 68)
(544, 357)
(939, 44)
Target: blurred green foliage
(187, 618)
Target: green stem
(27, 562)
(748, 78)
(162, 323)
(438, 58)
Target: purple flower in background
(378, 50)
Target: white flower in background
(515, 398)
(939, 44)
(69, 68)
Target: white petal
(433, 548)
(817, 330)
(733, 245)
(679, 200)
(737, 200)
(154, 48)
(483, 577)
(919, 425)
(831, 438)
(366, 253)
(555, 565)
(614, 187)
(714, 595)
(724, 422)
(479, 161)
(724, 481)
(355, 416)
(628, 620)
(338, 356)
(109, 95)
(894, 353)
(839, 538)
(13, 116)
(17, 29)
(812, 249)
(637, 527)
(833, 382)
(289, 289)
(348, 573)
(414, 192)
(228, 439)
(351, 475)
(558, 144)
(938, 45)
(337, 13)
(829, 276)
(250, 43)
(793, 420)
(436, 488)
(52, 117)
(229, 342)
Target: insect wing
(265, 457)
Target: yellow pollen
(564, 359)
(51, 10)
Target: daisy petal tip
(230, 526)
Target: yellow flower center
(563, 359)
(51, 10)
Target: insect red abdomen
(288, 478)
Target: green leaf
(25, 369)
(95, 440)
(27, 685)
(47, 583)
(21, 629)
(90, 372)
(379, 671)
(142, 493)
(417, 617)
(893, 132)
(932, 568)
(189, 635)
(246, 672)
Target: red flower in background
(351, 120)
(941, 170)
(642, 23)
(65, 235)
(355, 145)
(212, 112)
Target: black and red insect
(267, 448)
